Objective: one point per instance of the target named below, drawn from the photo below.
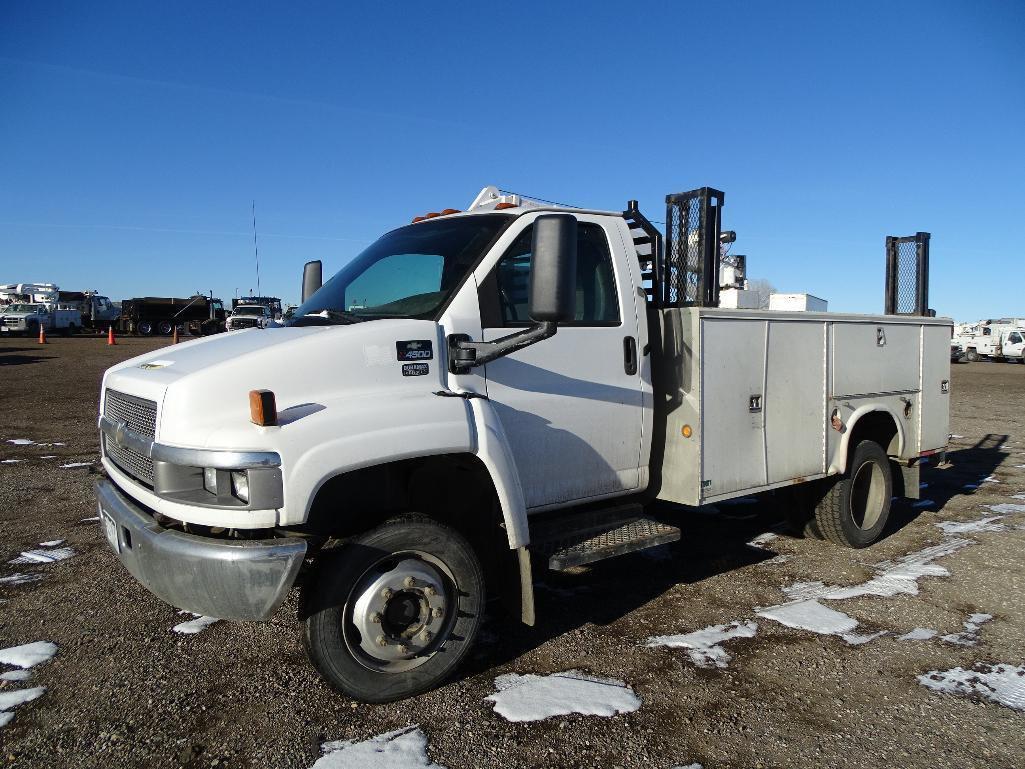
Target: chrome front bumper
(230, 579)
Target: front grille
(11, 321)
(140, 416)
(131, 462)
(237, 323)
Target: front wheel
(853, 510)
(972, 356)
(395, 611)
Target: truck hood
(202, 387)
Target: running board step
(579, 538)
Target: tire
(144, 327)
(971, 356)
(348, 593)
(165, 327)
(853, 510)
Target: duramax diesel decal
(415, 369)
(415, 349)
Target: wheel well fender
(873, 421)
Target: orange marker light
(502, 206)
(263, 410)
(686, 432)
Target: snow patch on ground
(28, 655)
(956, 436)
(812, 616)
(966, 527)
(970, 635)
(49, 456)
(13, 699)
(196, 625)
(892, 577)
(77, 464)
(760, 542)
(400, 749)
(11, 461)
(21, 441)
(15, 675)
(94, 518)
(43, 556)
(52, 543)
(20, 579)
(1006, 508)
(919, 634)
(704, 645)
(991, 479)
(534, 698)
(1002, 684)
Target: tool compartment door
(732, 433)
(795, 403)
(871, 358)
(934, 414)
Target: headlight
(240, 485)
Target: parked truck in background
(1002, 340)
(148, 315)
(27, 319)
(273, 303)
(97, 311)
(249, 316)
(481, 394)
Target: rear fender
(839, 462)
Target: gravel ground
(124, 690)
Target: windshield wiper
(328, 318)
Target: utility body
(483, 393)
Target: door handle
(629, 355)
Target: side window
(597, 300)
(1014, 338)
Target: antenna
(256, 249)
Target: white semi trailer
(482, 393)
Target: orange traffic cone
(42, 334)
(110, 335)
(174, 337)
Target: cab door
(1014, 345)
(570, 405)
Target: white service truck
(1002, 339)
(483, 393)
(26, 319)
(249, 316)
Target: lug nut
(387, 593)
(382, 641)
(430, 590)
(409, 582)
(376, 618)
(437, 612)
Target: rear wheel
(853, 510)
(165, 327)
(145, 327)
(396, 611)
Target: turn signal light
(263, 410)
(436, 214)
(503, 206)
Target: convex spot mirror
(553, 268)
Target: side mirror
(553, 268)
(313, 278)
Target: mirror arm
(464, 354)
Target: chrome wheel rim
(400, 612)
(868, 493)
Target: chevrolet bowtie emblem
(119, 434)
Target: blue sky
(135, 136)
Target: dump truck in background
(483, 393)
(148, 315)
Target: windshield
(407, 273)
(245, 310)
(23, 308)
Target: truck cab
(482, 393)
